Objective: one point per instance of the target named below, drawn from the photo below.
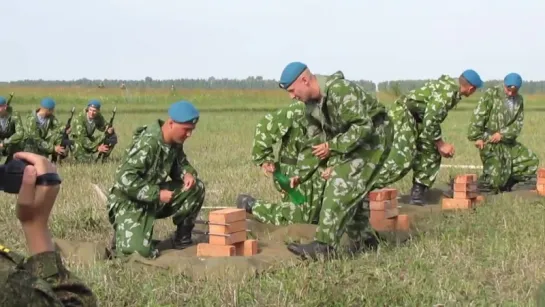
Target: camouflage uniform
(429, 106)
(287, 125)
(87, 135)
(507, 162)
(359, 133)
(40, 280)
(403, 152)
(42, 134)
(133, 202)
(11, 133)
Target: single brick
(380, 222)
(467, 178)
(540, 180)
(540, 189)
(381, 205)
(479, 199)
(228, 215)
(382, 194)
(465, 187)
(228, 228)
(247, 248)
(403, 222)
(465, 195)
(221, 239)
(541, 173)
(210, 250)
(454, 204)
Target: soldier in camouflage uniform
(288, 126)
(11, 130)
(43, 132)
(429, 106)
(87, 132)
(354, 137)
(495, 125)
(141, 193)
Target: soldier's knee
(141, 249)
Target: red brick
(541, 173)
(226, 216)
(383, 194)
(247, 248)
(454, 204)
(467, 178)
(465, 187)
(210, 250)
(379, 221)
(465, 195)
(403, 222)
(229, 239)
(228, 228)
(540, 189)
(540, 180)
(388, 206)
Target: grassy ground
(491, 257)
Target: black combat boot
(182, 237)
(527, 184)
(369, 244)
(245, 202)
(417, 194)
(312, 250)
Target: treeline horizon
(395, 86)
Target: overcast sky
(374, 40)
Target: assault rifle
(10, 98)
(66, 143)
(109, 139)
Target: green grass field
(491, 257)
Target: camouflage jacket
(11, 129)
(88, 134)
(42, 139)
(343, 118)
(431, 103)
(147, 164)
(40, 280)
(495, 112)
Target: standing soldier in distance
(430, 105)
(141, 193)
(353, 135)
(43, 132)
(11, 130)
(87, 133)
(495, 126)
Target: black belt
(289, 161)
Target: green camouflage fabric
(11, 134)
(41, 138)
(400, 160)
(508, 159)
(430, 105)
(359, 133)
(287, 125)
(40, 280)
(133, 202)
(87, 136)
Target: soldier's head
(511, 84)
(93, 108)
(183, 118)
(299, 82)
(3, 106)
(47, 107)
(469, 82)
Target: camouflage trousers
(82, 155)
(133, 222)
(403, 152)
(505, 162)
(427, 162)
(343, 209)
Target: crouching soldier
(91, 134)
(11, 130)
(43, 132)
(141, 193)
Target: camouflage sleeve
(307, 162)
(353, 112)
(513, 130)
(55, 133)
(182, 166)
(100, 123)
(435, 113)
(79, 134)
(19, 134)
(479, 119)
(32, 133)
(271, 128)
(43, 281)
(139, 160)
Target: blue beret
(183, 112)
(473, 78)
(292, 71)
(94, 103)
(48, 103)
(513, 79)
(3, 101)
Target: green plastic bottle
(284, 182)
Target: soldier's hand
(1, 145)
(326, 174)
(110, 130)
(68, 130)
(321, 151)
(268, 168)
(294, 181)
(446, 150)
(189, 182)
(59, 150)
(103, 148)
(495, 138)
(479, 144)
(165, 196)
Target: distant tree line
(396, 87)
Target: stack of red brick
(228, 236)
(385, 213)
(540, 187)
(466, 194)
